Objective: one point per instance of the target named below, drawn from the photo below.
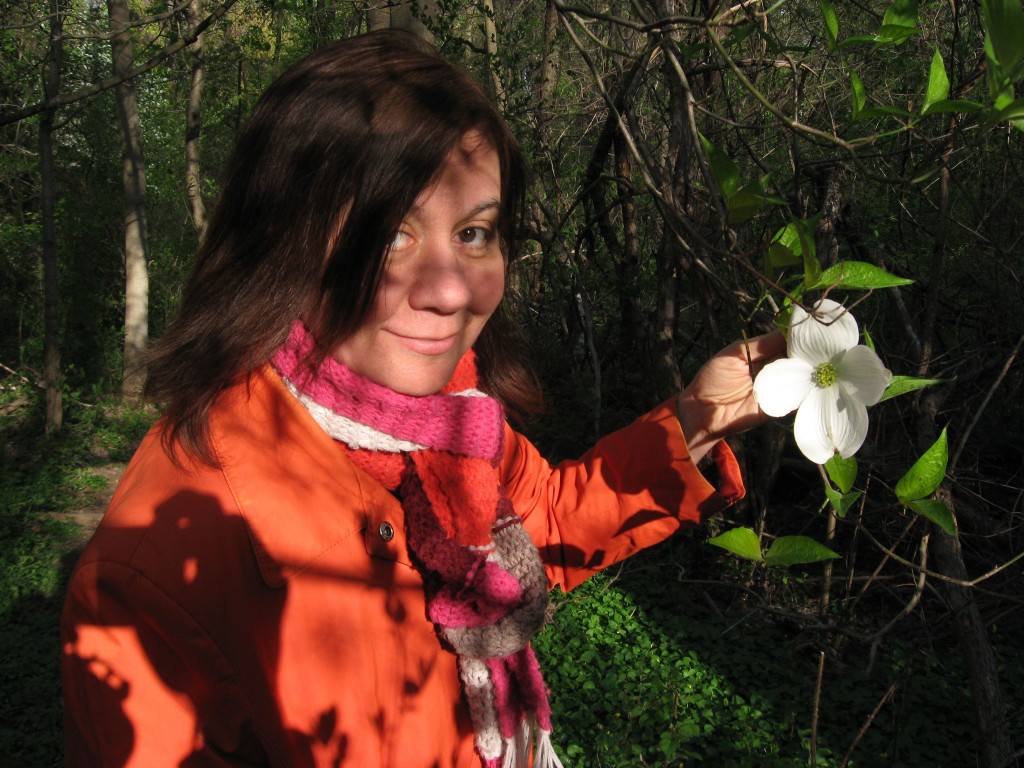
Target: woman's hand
(719, 401)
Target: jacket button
(387, 531)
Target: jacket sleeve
(133, 688)
(634, 488)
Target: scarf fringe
(517, 748)
(545, 756)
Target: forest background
(697, 167)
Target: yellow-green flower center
(825, 375)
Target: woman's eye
(399, 240)
(475, 236)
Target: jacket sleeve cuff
(719, 467)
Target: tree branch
(106, 84)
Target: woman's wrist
(692, 417)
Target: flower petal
(821, 337)
(830, 420)
(812, 426)
(863, 374)
(782, 385)
(851, 426)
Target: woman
(332, 550)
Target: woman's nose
(442, 282)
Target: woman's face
(443, 279)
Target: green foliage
(43, 480)
(842, 471)
(922, 480)
(856, 276)
(902, 385)
(628, 689)
(783, 551)
(641, 673)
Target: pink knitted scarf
(485, 585)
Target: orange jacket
(266, 613)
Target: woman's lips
(428, 346)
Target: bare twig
(814, 713)
(984, 404)
(867, 724)
(922, 578)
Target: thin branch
(111, 82)
(867, 724)
(941, 576)
(985, 402)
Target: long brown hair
(354, 131)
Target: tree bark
(51, 285)
(133, 175)
(491, 48)
(193, 126)
(544, 88)
(983, 674)
(404, 14)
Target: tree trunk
(193, 125)
(675, 186)
(51, 285)
(491, 48)
(983, 674)
(133, 174)
(993, 726)
(402, 14)
(544, 88)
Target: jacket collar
(299, 495)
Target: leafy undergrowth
(642, 673)
(41, 479)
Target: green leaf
(938, 83)
(857, 39)
(1012, 111)
(780, 255)
(793, 550)
(894, 34)
(954, 105)
(937, 512)
(868, 339)
(739, 541)
(924, 477)
(872, 113)
(743, 206)
(899, 23)
(841, 502)
(902, 13)
(723, 169)
(901, 385)
(1004, 34)
(857, 275)
(857, 94)
(828, 13)
(842, 471)
(739, 34)
(749, 200)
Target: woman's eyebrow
(476, 210)
(484, 206)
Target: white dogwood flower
(828, 378)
